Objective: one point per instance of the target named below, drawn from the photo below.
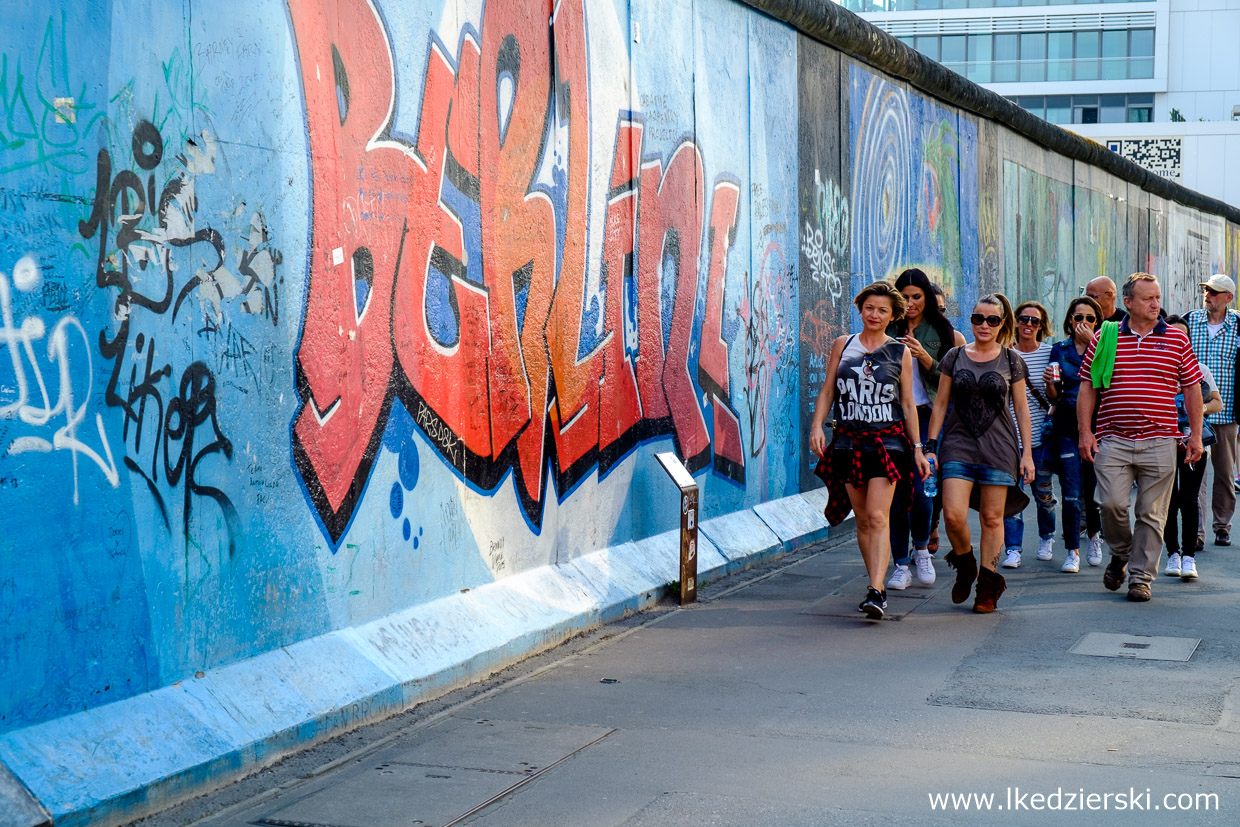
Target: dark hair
(1176, 319)
(883, 290)
(1044, 329)
(1073, 305)
(913, 277)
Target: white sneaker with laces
(1094, 556)
(1188, 568)
(1011, 558)
(1073, 564)
(901, 580)
(925, 566)
(1174, 566)
(1046, 549)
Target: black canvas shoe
(1113, 574)
(874, 604)
(1222, 538)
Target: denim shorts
(975, 472)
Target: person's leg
(1089, 498)
(1014, 532)
(1154, 463)
(1175, 509)
(1223, 501)
(861, 516)
(992, 501)
(990, 584)
(1043, 494)
(899, 523)
(922, 512)
(878, 496)
(956, 513)
(1114, 474)
(1070, 488)
(1190, 479)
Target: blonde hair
(1007, 328)
(884, 290)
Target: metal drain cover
(1140, 647)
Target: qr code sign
(1160, 156)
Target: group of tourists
(925, 423)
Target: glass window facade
(1070, 109)
(1037, 56)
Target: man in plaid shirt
(1214, 331)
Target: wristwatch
(917, 445)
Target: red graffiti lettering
(465, 290)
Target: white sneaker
(925, 566)
(1045, 549)
(1073, 564)
(1011, 558)
(1094, 556)
(1174, 566)
(1188, 568)
(901, 580)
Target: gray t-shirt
(978, 429)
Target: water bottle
(930, 485)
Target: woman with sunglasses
(1060, 451)
(869, 381)
(1033, 325)
(928, 335)
(979, 446)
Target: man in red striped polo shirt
(1137, 432)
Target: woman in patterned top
(979, 444)
(869, 382)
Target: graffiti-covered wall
(326, 309)
(318, 310)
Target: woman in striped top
(1033, 327)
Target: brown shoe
(990, 584)
(1113, 575)
(966, 572)
(1139, 593)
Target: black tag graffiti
(122, 201)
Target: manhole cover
(1105, 645)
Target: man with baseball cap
(1214, 331)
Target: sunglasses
(1081, 317)
(1211, 292)
(1025, 320)
(990, 321)
(867, 365)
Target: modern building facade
(1132, 75)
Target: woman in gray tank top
(869, 382)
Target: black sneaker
(1222, 538)
(874, 604)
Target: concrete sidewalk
(772, 701)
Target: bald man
(1102, 290)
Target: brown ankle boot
(990, 584)
(966, 572)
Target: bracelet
(932, 446)
(917, 446)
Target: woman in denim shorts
(978, 445)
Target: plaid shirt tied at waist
(838, 504)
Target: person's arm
(1086, 398)
(1214, 404)
(941, 401)
(958, 338)
(911, 425)
(822, 406)
(1193, 405)
(1020, 401)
